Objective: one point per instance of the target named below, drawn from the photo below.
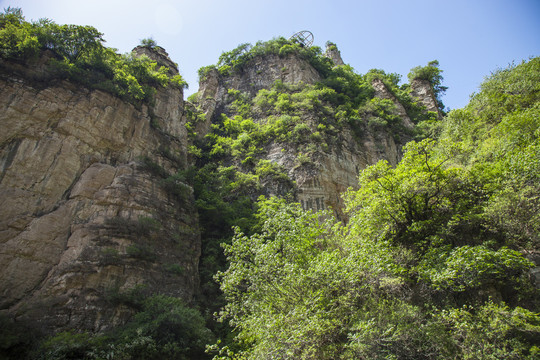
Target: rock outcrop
(422, 90)
(260, 73)
(87, 218)
(381, 91)
(333, 54)
(320, 183)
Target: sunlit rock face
(381, 91)
(321, 182)
(84, 220)
(333, 54)
(259, 73)
(422, 90)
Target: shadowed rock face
(83, 222)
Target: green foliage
(425, 121)
(174, 268)
(237, 58)
(429, 265)
(493, 331)
(133, 297)
(178, 331)
(267, 278)
(163, 328)
(499, 132)
(175, 185)
(149, 42)
(67, 345)
(81, 57)
(109, 256)
(418, 202)
(390, 80)
(476, 267)
(431, 73)
(141, 252)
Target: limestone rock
(263, 71)
(158, 54)
(83, 220)
(422, 90)
(381, 91)
(333, 54)
(259, 73)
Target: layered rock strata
(87, 217)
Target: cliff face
(92, 213)
(86, 219)
(261, 73)
(320, 184)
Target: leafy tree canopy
(430, 264)
(79, 55)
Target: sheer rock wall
(83, 222)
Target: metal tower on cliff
(304, 38)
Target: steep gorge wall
(84, 220)
(88, 218)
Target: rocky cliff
(88, 218)
(321, 181)
(94, 213)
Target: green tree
(149, 42)
(81, 57)
(418, 202)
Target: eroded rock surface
(333, 53)
(422, 90)
(85, 218)
(321, 183)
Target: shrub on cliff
(81, 57)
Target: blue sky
(470, 38)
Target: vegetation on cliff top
(79, 55)
(432, 74)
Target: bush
(493, 331)
(141, 252)
(469, 268)
(149, 42)
(82, 58)
(164, 328)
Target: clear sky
(470, 38)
